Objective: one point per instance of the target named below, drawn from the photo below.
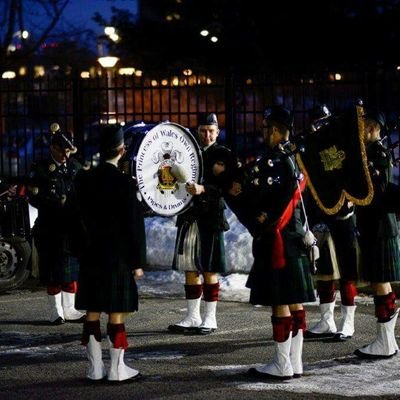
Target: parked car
(15, 241)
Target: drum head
(168, 157)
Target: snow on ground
(346, 376)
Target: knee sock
(193, 292)
(298, 321)
(348, 291)
(211, 291)
(281, 327)
(90, 328)
(117, 335)
(326, 291)
(385, 306)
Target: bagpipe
(333, 160)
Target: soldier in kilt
(280, 276)
(50, 189)
(339, 258)
(199, 249)
(112, 255)
(379, 242)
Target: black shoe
(201, 330)
(341, 337)
(366, 356)
(312, 335)
(135, 378)
(254, 373)
(58, 321)
(77, 321)
(180, 329)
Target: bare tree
(39, 17)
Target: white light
(8, 75)
(126, 71)
(187, 72)
(85, 74)
(338, 77)
(214, 39)
(204, 32)
(107, 62)
(25, 34)
(109, 30)
(114, 37)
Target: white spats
(56, 309)
(96, 369)
(119, 371)
(326, 325)
(70, 312)
(385, 345)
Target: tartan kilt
(55, 268)
(290, 285)
(199, 250)
(381, 261)
(107, 291)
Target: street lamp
(108, 63)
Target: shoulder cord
(297, 176)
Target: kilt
(111, 291)
(379, 245)
(199, 249)
(381, 262)
(339, 250)
(56, 266)
(290, 285)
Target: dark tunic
(273, 186)
(113, 243)
(377, 227)
(51, 187)
(207, 211)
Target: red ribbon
(278, 250)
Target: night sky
(80, 12)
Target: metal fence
(29, 106)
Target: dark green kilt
(290, 285)
(379, 245)
(204, 252)
(111, 291)
(56, 265)
(381, 261)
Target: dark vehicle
(15, 247)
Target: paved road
(38, 361)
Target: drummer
(199, 249)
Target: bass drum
(133, 136)
(162, 158)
